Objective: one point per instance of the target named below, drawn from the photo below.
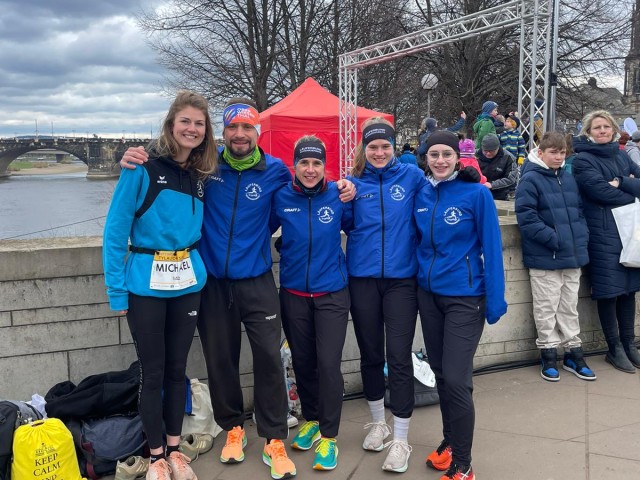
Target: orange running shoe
(232, 452)
(275, 455)
(459, 472)
(440, 459)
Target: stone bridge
(100, 154)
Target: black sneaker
(549, 368)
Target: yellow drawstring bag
(44, 450)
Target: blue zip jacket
(236, 239)
(311, 256)
(160, 207)
(549, 211)
(382, 236)
(458, 226)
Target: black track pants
(162, 330)
(316, 329)
(226, 305)
(384, 312)
(452, 327)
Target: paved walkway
(526, 429)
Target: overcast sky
(81, 64)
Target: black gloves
(469, 174)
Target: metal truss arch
(533, 18)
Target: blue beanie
(488, 106)
(430, 123)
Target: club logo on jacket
(325, 214)
(200, 189)
(161, 179)
(253, 191)
(452, 215)
(397, 192)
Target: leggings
(162, 331)
(617, 317)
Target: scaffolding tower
(534, 19)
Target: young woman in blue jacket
(460, 283)
(314, 297)
(156, 280)
(382, 266)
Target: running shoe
(374, 440)
(159, 470)
(132, 468)
(326, 454)
(440, 458)
(233, 450)
(193, 444)
(180, 469)
(308, 434)
(459, 472)
(275, 455)
(398, 457)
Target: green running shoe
(326, 454)
(308, 434)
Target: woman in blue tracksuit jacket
(314, 297)
(460, 283)
(156, 280)
(382, 267)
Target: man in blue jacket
(554, 247)
(240, 288)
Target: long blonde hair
(204, 158)
(360, 159)
(588, 119)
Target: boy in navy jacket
(554, 246)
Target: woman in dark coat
(607, 179)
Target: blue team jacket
(236, 240)
(311, 256)
(159, 206)
(457, 228)
(382, 235)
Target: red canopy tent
(308, 110)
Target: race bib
(172, 271)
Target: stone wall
(55, 322)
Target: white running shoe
(180, 469)
(374, 440)
(292, 421)
(398, 457)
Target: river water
(61, 205)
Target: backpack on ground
(97, 396)
(44, 450)
(12, 415)
(101, 443)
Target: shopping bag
(627, 220)
(200, 420)
(44, 450)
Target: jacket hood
(583, 144)
(534, 159)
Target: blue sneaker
(308, 434)
(326, 454)
(574, 362)
(549, 369)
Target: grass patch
(16, 166)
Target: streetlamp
(429, 82)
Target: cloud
(83, 66)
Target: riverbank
(53, 169)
